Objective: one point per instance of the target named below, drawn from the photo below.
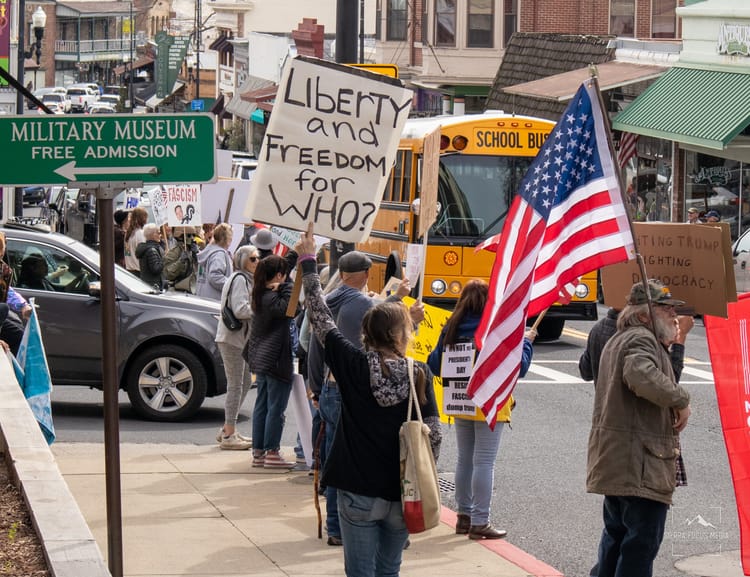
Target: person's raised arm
(321, 320)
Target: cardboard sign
(328, 149)
(428, 192)
(694, 261)
(183, 204)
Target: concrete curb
(67, 541)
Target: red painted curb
(533, 566)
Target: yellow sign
(126, 26)
(425, 340)
(385, 69)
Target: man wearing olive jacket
(639, 410)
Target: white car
(101, 108)
(82, 96)
(113, 99)
(60, 100)
(54, 107)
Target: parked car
(53, 108)
(59, 99)
(81, 97)
(40, 92)
(167, 360)
(101, 108)
(741, 256)
(244, 169)
(113, 99)
(34, 195)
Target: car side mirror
(95, 290)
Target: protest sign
(157, 197)
(694, 261)
(183, 204)
(328, 149)
(415, 256)
(224, 201)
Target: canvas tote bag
(420, 493)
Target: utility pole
(132, 69)
(18, 196)
(198, 38)
(346, 31)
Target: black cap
(120, 216)
(354, 261)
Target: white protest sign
(224, 201)
(158, 205)
(456, 366)
(289, 238)
(328, 150)
(414, 262)
(183, 204)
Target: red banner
(729, 346)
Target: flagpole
(638, 257)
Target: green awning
(692, 106)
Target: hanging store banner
(171, 52)
(5, 6)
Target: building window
(445, 23)
(396, 24)
(663, 19)
(510, 19)
(480, 18)
(622, 17)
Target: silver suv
(167, 360)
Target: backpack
(178, 263)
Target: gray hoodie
(214, 268)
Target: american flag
(628, 148)
(568, 219)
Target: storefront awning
(706, 108)
(562, 87)
(240, 107)
(140, 63)
(155, 101)
(221, 44)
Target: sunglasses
(253, 258)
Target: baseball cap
(354, 261)
(713, 213)
(660, 294)
(693, 209)
(264, 239)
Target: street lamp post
(39, 21)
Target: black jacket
(150, 255)
(269, 348)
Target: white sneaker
(234, 443)
(220, 436)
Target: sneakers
(259, 458)
(334, 541)
(486, 531)
(274, 460)
(220, 436)
(234, 442)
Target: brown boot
(486, 532)
(463, 522)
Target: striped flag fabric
(628, 148)
(567, 220)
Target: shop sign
(734, 39)
(713, 175)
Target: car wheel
(166, 383)
(550, 329)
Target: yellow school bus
(458, 193)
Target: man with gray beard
(639, 411)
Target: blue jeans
(477, 448)
(329, 404)
(633, 531)
(268, 414)
(374, 535)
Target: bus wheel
(550, 329)
(393, 266)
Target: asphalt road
(540, 495)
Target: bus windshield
(474, 192)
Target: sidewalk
(196, 510)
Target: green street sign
(154, 148)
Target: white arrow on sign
(69, 170)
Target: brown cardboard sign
(690, 259)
